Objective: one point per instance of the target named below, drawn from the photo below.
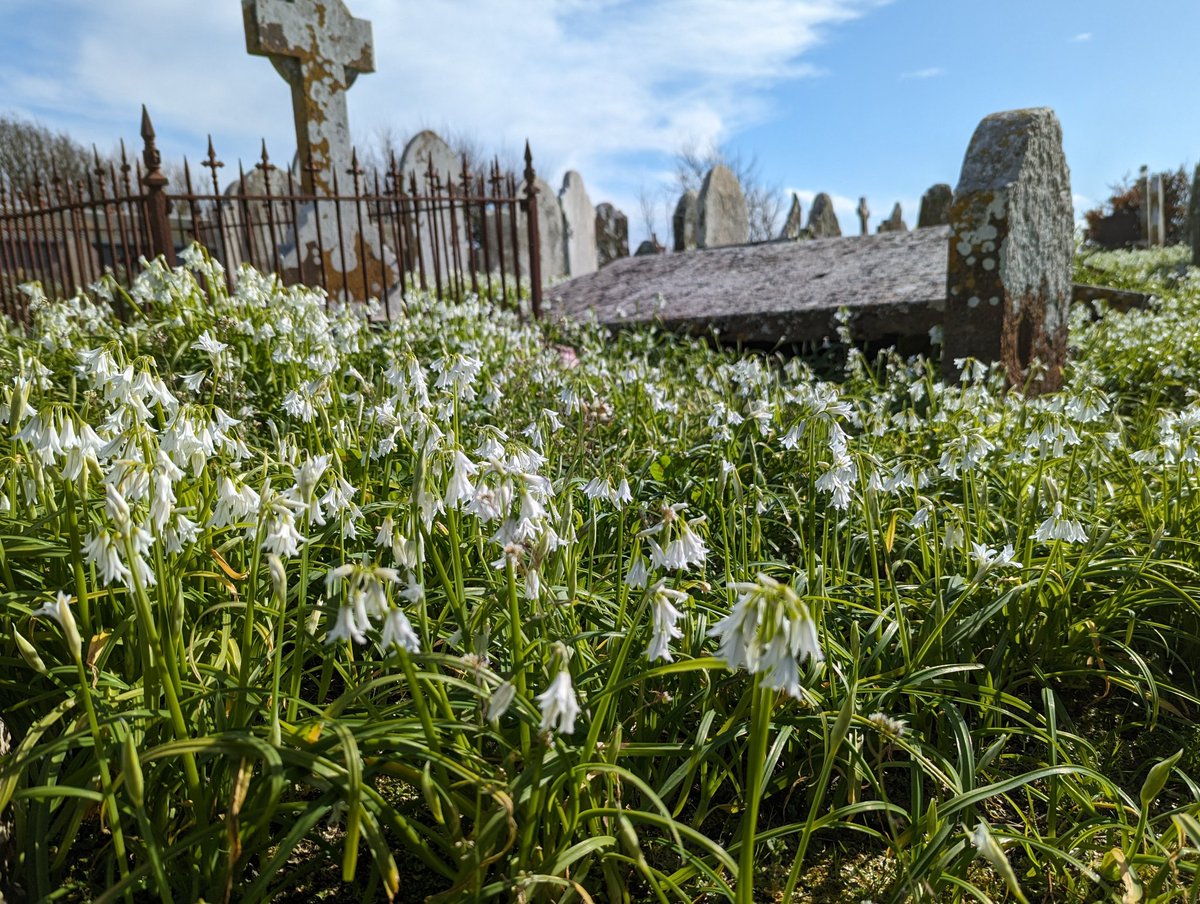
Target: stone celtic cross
(319, 48)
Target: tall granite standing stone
(503, 254)
(822, 221)
(320, 49)
(894, 223)
(1194, 216)
(612, 234)
(1012, 236)
(684, 222)
(579, 221)
(722, 216)
(552, 231)
(793, 226)
(935, 206)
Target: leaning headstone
(1194, 216)
(579, 221)
(684, 222)
(822, 221)
(793, 226)
(864, 217)
(894, 223)
(722, 217)
(935, 206)
(612, 234)
(1012, 236)
(320, 49)
(1156, 228)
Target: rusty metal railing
(375, 235)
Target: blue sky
(851, 97)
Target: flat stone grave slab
(786, 293)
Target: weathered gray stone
(434, 165)
(822, 221)
(1012, 237)
(935, 206)
(1194, 216)
(722, 217)
(253, 227)
(793, 226)
(776, 292)
(684, 222)
(579, 222)
(320, 49)
(864, 217)
(551, 236)
(612, 234)
(894, 223)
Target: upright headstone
(1011, 240)
(864, 217)
(254, 227)
(1194, 216)
(612, 234)
(684, 222)
(439, 238)
(894, 223)
(552, 234)
(502, 253)
(722, 216)
(579, 221)
(320, 49)
(1156, 226)
(793, 226)
(822, 221)
(935, 206)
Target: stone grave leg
(1011, 240)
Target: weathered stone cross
(319, 48)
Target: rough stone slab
(722, 216)
(579, 223)
(1009, 270)
(778, 292)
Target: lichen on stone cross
(319, 48)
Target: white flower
(558, 705)
(345, 628)
(398, 632)
(101, 550)
(206, 343)
(59, 609)
(888, 725)
(501, 700)
(1059, 527)
(638, 575)
(666, 618)
(987, 558)
(769, 632)
(460, 489)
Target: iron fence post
(158, 222)
(535, 263)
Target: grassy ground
(298, 607)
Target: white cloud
(931, 72)
(588, 82)
(1081, 37)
